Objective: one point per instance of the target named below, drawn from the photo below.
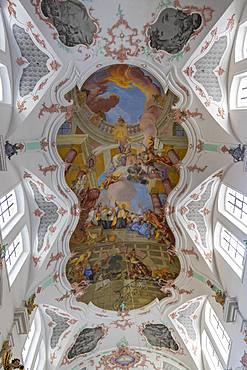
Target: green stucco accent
(35, 145)
(198, 276)
(210, 147)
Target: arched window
(8, 208)
(11, 210)
(14, 233)
(13, 252)
(231, 249)
(236, 204)
(233, 205)
(210, 353)
(16, 254)
(218, 333)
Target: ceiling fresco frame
(58, 94)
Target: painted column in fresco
(156, 203)
(69, 159)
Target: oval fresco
(123, 251)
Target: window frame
(238, 269)
(3, 199)
(218, 332)
(13, 272)
(20, 204)
(224, 210)
(241, 39)
(18, 240)
(228, 257)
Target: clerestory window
(233, 205)
(14, 252)
(8, 208)
(218, 332)
(232, 250)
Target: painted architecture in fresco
(122, 166)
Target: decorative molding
(34, 59)
(61, 325)
(21, 320)
(206, 67)
(194, 213)
(47, 212)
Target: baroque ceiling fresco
(123, 249)
(122, 141)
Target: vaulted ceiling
(120, 110)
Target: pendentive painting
(122, 152)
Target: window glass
(8, 208)
(232, 250)
(219, 334)
(236, 204)
(13, 252)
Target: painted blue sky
(130, 106)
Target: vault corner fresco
(122, 161)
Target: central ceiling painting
(121, 92)
(122, 152)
